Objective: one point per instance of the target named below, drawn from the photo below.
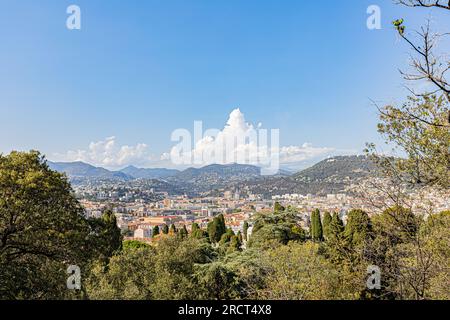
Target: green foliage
(335, 246)
(358, 228)
(165, 229)
(326, 224)
(418, 128)
(216, 228)
(183, 232)
(277, 227)
(43, 230)
(398, 24)
(155, 231)
(133, 244)
(245, 230)
(198, 233)
(413, 254)
(316, 226)
(217, 281)
(277, 207)
(298, 272)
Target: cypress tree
(183, 232)
(336, 226)
(326, 224)
(358, 227)
(194, 229)
(239, 236)
(336, 243)
(221, 224)
(316, 226)
(245, 230)
(165, 229)
(216, 228)
(234, 244)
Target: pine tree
(326, 224)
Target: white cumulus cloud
(107, 153)
(242, 142)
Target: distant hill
(332, 175)
(152, 173)
(83, 170)
(337, 169)
(215, 175)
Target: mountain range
(328, 176)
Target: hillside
(337, 169)
(83, 170)
(215, 176)
(152, 173)
(332, 175)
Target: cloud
(242, 142)
(238, 142)
(107, 153)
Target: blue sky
(137, 70)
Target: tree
(270, 229)
(217, 281)
(129, 275)
(413, 253)
(245, 230)
(425, 142)
(173, 229)
(197, 232)
(165, 229)
(335, 245)
(216, 228)
(106, 237)
(427, 64)
(358, 228)
(326, 224)
(316, 226)
(420, 127)
(298, 272)
(239, 236)
(133, 244)
(183, 232)
(277, 207)
(155, 231)
(42, 230)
